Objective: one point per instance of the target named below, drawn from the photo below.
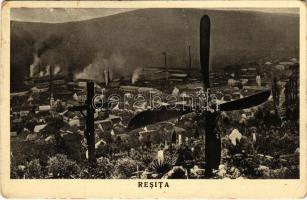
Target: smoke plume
(57, 69)
(50, 42)
(34, 69)
(115, 64)
(136, 75)
(47, 73)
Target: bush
(60, 166)
(18, 171)
(146, 159)
(162, 167)
(33, 169)
(176, 173)
(104, 168)
(125, 168)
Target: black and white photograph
(154, 93)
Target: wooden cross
(89, 116)
(208, 119)
(212, 137)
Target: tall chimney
(165, 64)
(190, 62)
(106, 76)
(109, 75)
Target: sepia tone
(253, 71)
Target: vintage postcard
(141, 99)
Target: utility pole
(89, 128)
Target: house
(44, 108)
(280, 67)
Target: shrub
(60, 166)
(146, 159)
(177, 173)
(18, 171)
(33, 169)
(125, 168)
(162, 167)
(14, 172)
(104, 168)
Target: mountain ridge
(137, 38)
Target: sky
(60, 15)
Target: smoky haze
(130, 40)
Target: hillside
(134, 39)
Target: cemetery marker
(212, 137)
(89, 127)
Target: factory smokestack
(190, 62)
(109, 78)
(106, 76)
(165, 65)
